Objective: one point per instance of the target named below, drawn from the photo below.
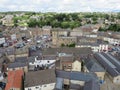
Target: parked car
(20, 45)
(33, 48)
(5, 44)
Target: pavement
(108, 85)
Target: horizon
(54, 12)
(60, 6)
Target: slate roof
(105, 62)
(75, 51)
(49, 58)
(80, 76)
(40, 78)
(31, 59)
(91, 85)
(16, 64)
(2, 51)
(21, 59)
(92, 65)
(76, 87)
(13, 51)
(91, 80)
(34, 53)
(10, 51)
(67, 58)
(113, 60)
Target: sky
(60, 5)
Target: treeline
(63, 20)
(66, 20)
(56, 20)
(112, 27)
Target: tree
(15, 20)
(118, 15)
(101, 29)
(0, 23)
(74, 16)
(71, 45)
(114, 27)
(62, 45)
(94, 22)
(65, 24)
(55, 24)
(32, 23)
(107, 16)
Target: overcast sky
(60, 5)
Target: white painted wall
(42, 62)
(42, 87)
(76, 66)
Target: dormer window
(48, 61)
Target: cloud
(60, 5)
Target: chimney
(36, 58)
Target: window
(48, 61)
(64, 66)
(29, 88)
(36, 87)
(45, 85)
(69, 66)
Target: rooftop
(92, 65)
(74, 75)
(91, 85)
(109, 63)
(40, 77)
(21, 59)
(67, 58)
(91, 81)
(13, 51)
(76, 87)
(49, 58)
(14, 79)
(35, 53)
(75, 51)
(17, 64)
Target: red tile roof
(14, 79)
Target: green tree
(33, 23)
(114, 27)
(62, 45)
(101, 29)
(0, 23)
(65, 24)
(55, 24)
(71, 45)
